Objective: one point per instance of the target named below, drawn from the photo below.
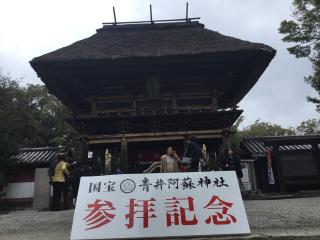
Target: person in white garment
(170, 161)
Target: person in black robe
(193, 151)
(231, 162)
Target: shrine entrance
(129, 156)
(142, 154)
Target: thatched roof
(150, 40)
(172, 51)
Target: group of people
(191, 160)
(64, 175)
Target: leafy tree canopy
(309, 127)
(260, 129)
(265, 129)
(304, 32)
(29, 117)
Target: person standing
(231, 162)
(75, 176)
(170, 161)
(59, 183)
(193, 153)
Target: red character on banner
(145, 210)
(220, 207)
(175, 211)
(99, 214)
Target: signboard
(159, 205)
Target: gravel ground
(287, 216)
(269, 219)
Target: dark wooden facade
(153, 82)
(295, 161)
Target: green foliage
(9, 106)
(261, 129)
(258, 129)
(236, 137)
(49, 127)
(309, 127)
(29, 117)
(304, 32)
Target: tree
(236, 136)
(309, 127)
(29, 117)
(262, 129)
(50, 128)
(304, 32)
(10, 121)
(257, 129)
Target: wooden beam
(117, 138)
(153, 21)
(165, 96)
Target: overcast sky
(34, 27)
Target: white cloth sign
(270, 171)
(159, 205)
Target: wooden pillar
(279, 167)
(174, 104)
(213, 160)
(98, 159)
(94, 159)
(134, 106)
(102, 166)
(124, 155)
(214, 102)
(115, 159)
(316, 156)
(226, 141)
(94, 110)
(84, 150)
(214, 99)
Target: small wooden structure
(295, 161)
(136, 88)
(21, 181)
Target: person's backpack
(52, 169)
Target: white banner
(159, 205)
(269, 164)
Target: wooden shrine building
(295, 161)
(134, 89)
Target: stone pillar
(41, 195)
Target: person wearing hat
(59, 183)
